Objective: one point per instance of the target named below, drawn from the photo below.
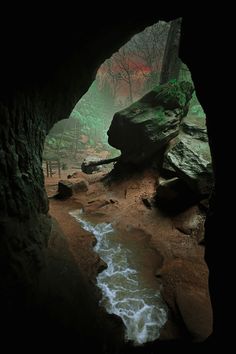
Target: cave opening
(172, 190)
(39, 86)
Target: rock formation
(144, 128)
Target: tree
(171, 62)
(138, 63)
(149, 47)
(126, 71)
(107, 76)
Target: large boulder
(174, 196)
(185, 290)
(190, 157)
(192, 164)
(146, 127)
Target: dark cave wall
(24, 223)
(41, 86)
(199, 49)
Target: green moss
(160, 115)
(174, 94)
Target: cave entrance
(143, 206)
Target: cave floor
(182, 270)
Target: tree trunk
(171, 62)
(88, 166)
(130, 91)
(76, 138)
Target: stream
(128, 284)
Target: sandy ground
(180, 266)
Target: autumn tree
(149, 47)
(137, 65)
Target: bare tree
(126, 71)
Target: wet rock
(146, 127)
(185, 290)
(94, 240)
(174, 195)
(194, 130)
(195, 309)
(190, 157)
(101, 266)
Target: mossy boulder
(146, 127)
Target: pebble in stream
(124, 290)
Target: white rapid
(125, 291)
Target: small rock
(191, 222)
(94, 241)
(101, 266)
(65, 189)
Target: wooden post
(50, 168)
(47, 168)
(59, 168)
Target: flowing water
(128, 284)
